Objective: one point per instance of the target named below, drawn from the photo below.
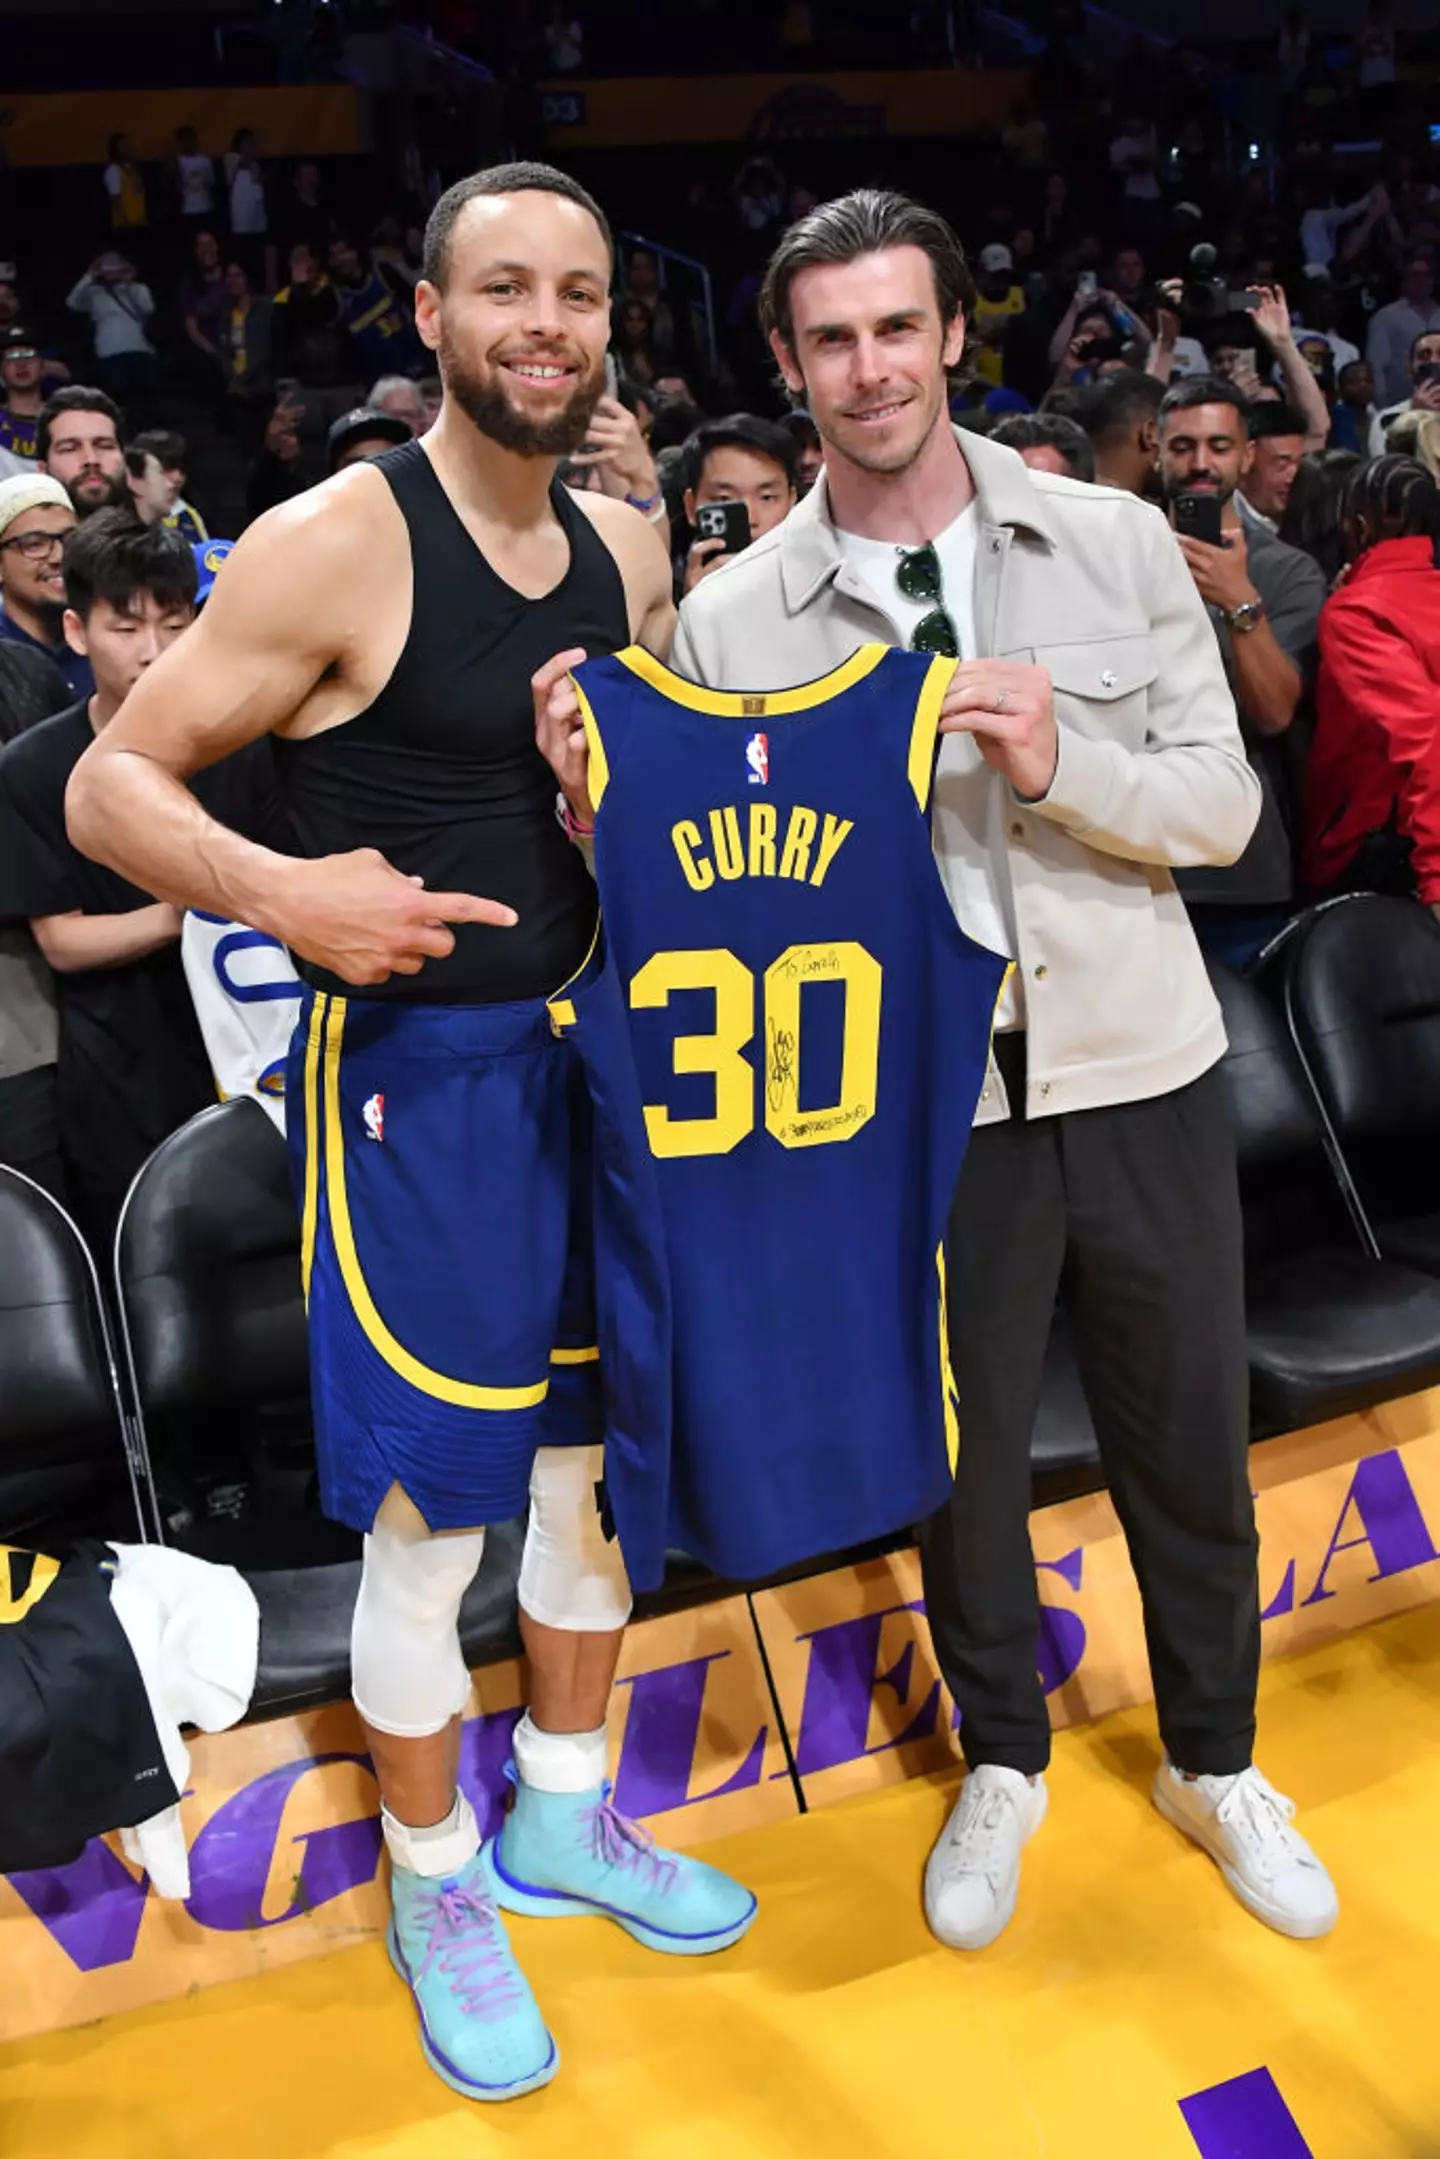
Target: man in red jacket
(1373, 821)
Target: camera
(1204, 296)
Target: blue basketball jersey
(811, 1029)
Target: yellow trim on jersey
(311, 1212)
(947, 1375)
(599, 762)
(750, 704)
(420, 1376)
(575, 1356)
(927, 720)
(42, 1574)
(561, 1010)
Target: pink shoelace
(619, 1842)
(465, 1943)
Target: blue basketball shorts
(442, 1159)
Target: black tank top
(441, 772)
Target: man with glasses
(1090, 749)
(35, 518)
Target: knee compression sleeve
(407, 1674)
(571, 1575)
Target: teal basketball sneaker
(561, 1853)
(479, 2024)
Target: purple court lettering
(1244, 2118)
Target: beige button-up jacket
(1152, 775)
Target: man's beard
(485, 403)
(50, 615)
(894, 460)
(1221, 492)
(87, 503)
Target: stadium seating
(1331, 1328)
(1362, 995)
(64, 1442)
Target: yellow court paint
(1128, 1981)
(282, 1817)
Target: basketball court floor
(1133, 2011)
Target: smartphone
(727, 521)
(1087, 284)
(1198, 517)
(1242, 303)
(1430, 372)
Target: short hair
(75, 397)
(1418, 340)
(161, 443)
(387, 383)
(1195, 390)
(1029, 430)
(1112, 408)
(1350, 365)
(675, 421)
(743, 431)
(520, 177)
(113, 557)
(865, 222)
(1274, 418)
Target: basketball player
(384, 628)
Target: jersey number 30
(722, 1052)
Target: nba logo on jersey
(757, 759)
(374, 1115)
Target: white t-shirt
(1142, 183)
(878, 562)
(983, 907)
(247, 201)
(197, 185)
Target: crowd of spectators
(1247, 334)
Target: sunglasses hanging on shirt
(918, 577)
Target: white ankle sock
(441, 1848)
(559, 1761)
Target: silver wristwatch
(1247, 616)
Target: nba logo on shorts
(757, 758)
(374, 1115)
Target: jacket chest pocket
(1102, 685)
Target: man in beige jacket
(1090, 749)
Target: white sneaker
(972, 1877)
(1244, 1824)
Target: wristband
(645, 504)
(574, 830)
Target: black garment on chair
(79, 1752)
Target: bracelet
(647, 503)
(574, 830)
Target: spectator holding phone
(737, 464)
(1263, 599)
(616, 452)
(1424, 369)
(1395, 330)
(119, 307)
